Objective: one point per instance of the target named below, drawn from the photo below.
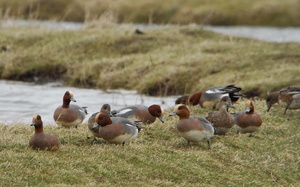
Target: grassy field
(172, 60)
(214, 12)
(158, 157)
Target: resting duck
(248, 121)
(41, 140)
(115, 129)
(95, 131)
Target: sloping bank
(166, 61)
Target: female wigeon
(69, 115)
(41, 140)
(211, 96)
(248, 121)
(189, 99)
(115, 129)
(291, 96)
(192, 128)
(271, 99)
(221, 120)
(146, 115)
(95, 131)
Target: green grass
(172, 60)
(214, 12)
(158, 157)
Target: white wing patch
(124, 111)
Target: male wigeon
(211, 96)
(146, 115)
(221, 120)
(248, 121)
(95, 131)
(41, 140)
(115, 129)
(192, 128)
(291, 96)
(271, 99)
(192, 99)
(69, 115)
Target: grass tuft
(159, 156)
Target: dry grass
(158, 157)
(172, 60)
(214, 12)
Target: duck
(272, 99)
(222, 120)
(291, 96)
(116, 130)
(41, 140)
(192, 99)
(69, 115)
(141, 113)
(211, 96)
(247, 121)
(193, 128)
(106, 108)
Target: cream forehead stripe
(177, 106)
(71, 93)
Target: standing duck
(211, 96)
(69, 115)
(271, 99)
(291, 96)
(115, 129)
(248, 121)
(41, 140)
(221, 120)
(146, 115)
(193, 128)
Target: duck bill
(96, 125)
(173, 114)
(161, 119)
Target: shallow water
(269, 34)
(19, 100)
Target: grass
(213, 12)
(158, 157)
(172, 60)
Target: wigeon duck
(115, 129)
(211, 96)
(248, 121)
(291, 96)
(193, 128)
(189, 99)
(271, 99)
(95, 131)
(221, 120)
(69, 115)
(41, 140)
(146, 115)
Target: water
(19, 100)
(269, 34)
